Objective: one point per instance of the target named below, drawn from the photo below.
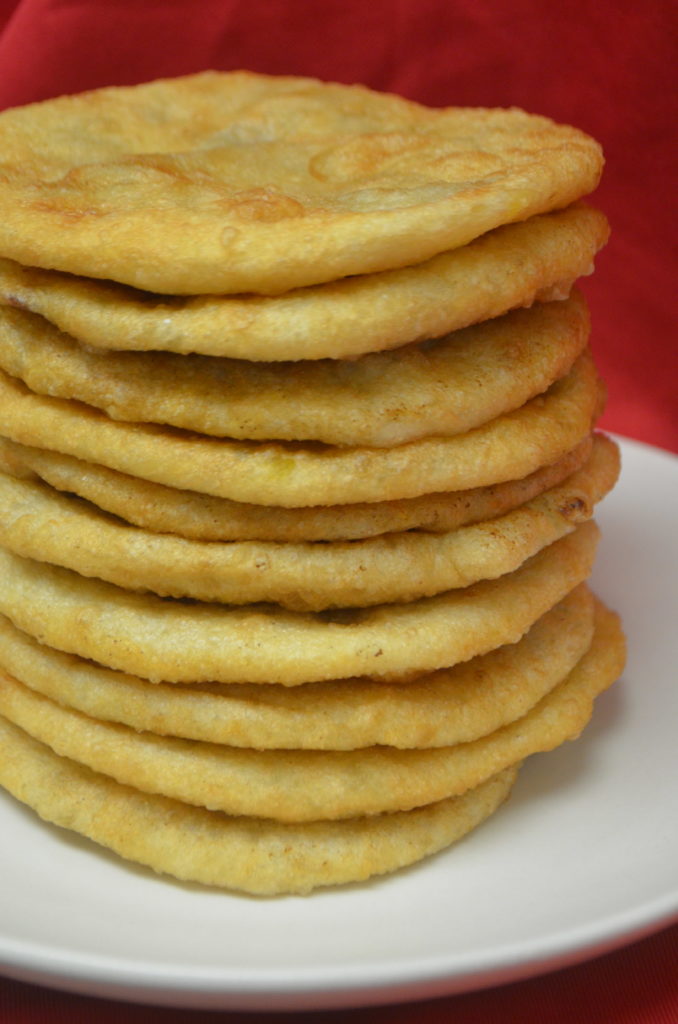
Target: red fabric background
(607, 67)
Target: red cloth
(607, 67)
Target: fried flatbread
(277, 182)
(340, 319)
(436, 709)
(442, 387)
(261, 857)
(174, 641)
(39, 523)
(294, 474)
(308, 785)
(203, 517)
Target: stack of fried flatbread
(298, 470)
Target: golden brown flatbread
(442, 387)
(203, 517)
(39, 523)
(293, 474)
(310, 785)
(277, 182)
(257, 856)
(336, 320)
(436, 709)
(175, 641)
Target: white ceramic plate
(582, 858)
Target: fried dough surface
(435, 709)
(174, 641)
(39, 523)
(204, 517)
(309, 785)
(256, 856)
(294, 474)
(297, 470)
(278, 182)
(444, 387)
(336, 320)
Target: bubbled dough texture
(110, 184)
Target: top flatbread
(231, 182)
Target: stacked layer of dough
(298, 470)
